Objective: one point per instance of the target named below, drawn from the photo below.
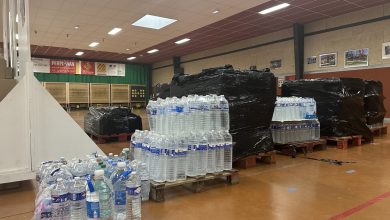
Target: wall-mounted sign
(329, 59)
(356, 58)
(87, 68)
(312, 60)
(63, 66)
(41, 65)
(386, 50)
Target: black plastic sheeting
(162, 91)
(251, 96)
(111, 120)
(373, 102)
(340, 104)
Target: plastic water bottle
(211, 152)
(133, 204)
(215, 113)
(93, 207)
(192, 155)
(223, 103)
(118, 180)
(202, 153)
(181, 164)
(145, 183)
(228, 151)
(219, 152)
(77, 199)
(60, 201)
(171, 162)
(102, 187)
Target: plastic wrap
(373, 102)
(251, 96)
(340, 104)
(111, 120)
(162, 91)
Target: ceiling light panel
(114, 31)
(79, 53)
(153, 51)
(131, 58)
(153, 22)
(94, 44)
(182, 41)
(274, 8)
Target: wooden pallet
(305, 147)
(251, 161)
(379, 131)
(195, 184)
(102, 139)
(345, 142)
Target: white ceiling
(54, 19)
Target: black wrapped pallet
(340, 104)
(373, 102)
(111, 120)
(251, 96)
(162, 91)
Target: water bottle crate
(251, 161)
(292, 148)
(195, 184)
(346, 141)
(379, 131)
(101, 139)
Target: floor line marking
(360, 207)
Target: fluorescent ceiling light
(131, 58)
(17, 18)
(153, 22)
(275, 8)
(216, 11)
(94, 44)
(114, 31)
(182, 41)
(79, 53)
(76, 27)
(17, 48)
(17, 36)
(153, 51)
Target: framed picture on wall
(312, 60)
(328, 59)
(356, 58)
(386, 50)
(274, 64)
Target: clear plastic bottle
(118, 181)
(102, 187)
(228, 151)
(60, 201)
(192, 156)
(219, 152)
(171, 162)
(215, 113)
(202, 153)
(211, 152)
(145, 183)
(77, 195)
(133, 200)
(223, 103)
(181, 164)
(92, 198)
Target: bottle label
(93, 210)
(202, 147)
(60, 198)
(211, 147)
(133, 191)
(46, 215)
(120, 197)
(77, 196)
(228, 146)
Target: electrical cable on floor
(332, 161)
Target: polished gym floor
(293, 188)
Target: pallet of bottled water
(294, 109)
(94, 187)
(295, 131)
(188, 137)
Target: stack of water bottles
(188, 137)
(295, 120)
(97, 187)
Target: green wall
(134, 74)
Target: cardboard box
(6, 85)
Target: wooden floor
(296, 188)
